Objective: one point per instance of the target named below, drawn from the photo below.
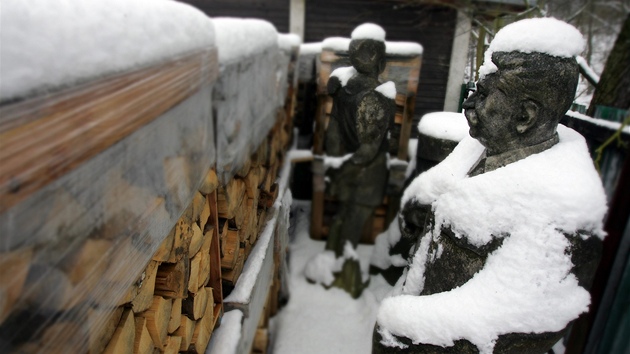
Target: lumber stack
(176, 303)
(90, 186)
(403, 68)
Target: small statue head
(367, 49)
(521, 98)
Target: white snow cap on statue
(369, 31)
(542, 35)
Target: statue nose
(470, 102)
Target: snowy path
(317, 320)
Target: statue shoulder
(334, 85)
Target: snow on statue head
(507, 229)
(367, 49)
(529, 75)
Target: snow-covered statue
(357, 135)
(508, 227)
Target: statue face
(365, 56)
(492, 115)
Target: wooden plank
(80, 122)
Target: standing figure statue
(357, 134)
(508, 227)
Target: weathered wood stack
(118, 225)
(177, 302)
(403, 68)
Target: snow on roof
(601, 122)
(50, 43)
(526, 285)
(286, 41)
(387, 89)
(344, 74)
(444, 125)
(369, 31)
(311, 48)
(403, 48)
(243, 37)
(542, 35)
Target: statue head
(367, 49)
(522, 96)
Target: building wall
(431, 26)
(274, 11)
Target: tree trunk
(614, 86)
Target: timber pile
(177, 302)
(403, 68)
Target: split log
(185, 331)
(195, 241)
(230, 197)
(164, 251)
(177, 177)
(209, 183)
(157, 320)
(197, 205)
(261, 340)
(172, 279)
(232, 275)
(204, 266)
(204, 219)
(231, 246)
(268, 197)
(123, 340)
(252, 181)
(194, 306)
(15, 266)
(223, 234)
(183, 234)
(143, 343)
(144, 288)
(204, 327)
(62, 337)
(101, 326)
(176, 316)
(173, 343)
(242, 172)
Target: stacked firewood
(177, 301)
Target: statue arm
(373, 118)
(333, 138)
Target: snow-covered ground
(316, 320)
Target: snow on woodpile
(226, 337)
(306, 61)
(403, 48)
(525, 285)
(247, 92)
(288, 41)
(51, 43)
(534, 35)
(444, 125)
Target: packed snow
(369, 31)
(243, 37)
(226, 337)
(47, 44)
(311, 48)
(336, 162)
(533, 35)
(286, 41)
(344, 74)
(316, 320)
(444, 125)
(525, 285)
(336, 44)
(403, 48)
(387, 89)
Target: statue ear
(528, 115)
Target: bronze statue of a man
(362, 113)
(508, 228)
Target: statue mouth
(471, 117)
